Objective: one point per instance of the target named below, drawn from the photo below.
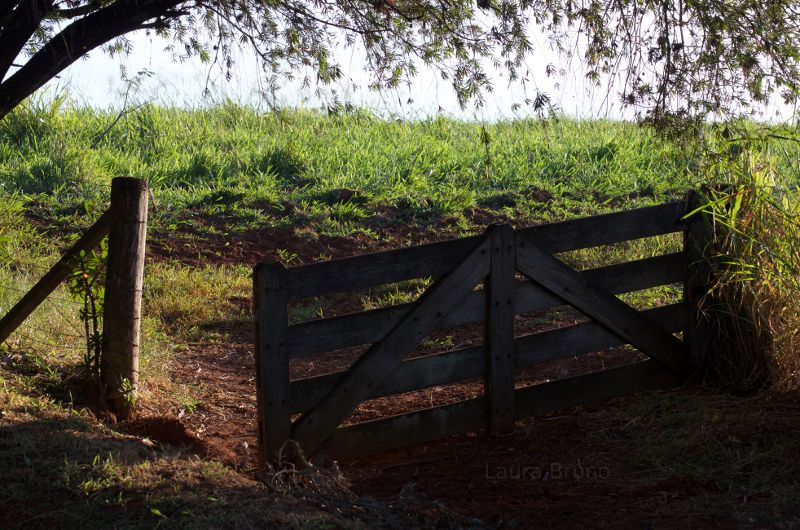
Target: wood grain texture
(395, 432)
(358, 272)
(605, 229)
(367, 270)
(272, 360)
(362, 439)
(330, 334)
(592, 388)
(314, 427)
(499, 382)
(468, 363)
(122, 307)
(53, 278)
(568, 284)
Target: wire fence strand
(49, 298)
(61, 332)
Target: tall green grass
(234, 159)
(754, 305)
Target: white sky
(96, 81)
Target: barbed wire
(31, 339)
(49, 297)
(64, 334)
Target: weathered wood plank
(590, 389)
(411, 374)
(362, 439)
(588, 337)
(468, 363)
(698, 241)
(568, 284)
(395, 432)
(314, 427)
(272, 359)
(605, 229)
(331, 334)
(358, 272)
(367, 270)
(499, 382)
(53, 278)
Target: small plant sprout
(87, 285)
(286, 257)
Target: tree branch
(75, 12)
(76, 40)
(19, 28)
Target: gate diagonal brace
(314, 427)
(563, 281)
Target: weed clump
(754, 303)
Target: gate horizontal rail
(427, 425)
(435, 259)
(329, 334)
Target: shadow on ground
(62, 469)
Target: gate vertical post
(698, 240)
(270, 295)
(122, 309)
(500, 330)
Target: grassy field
(232, 186)
(234, 163)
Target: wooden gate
(498, 259)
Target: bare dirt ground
(593, 467)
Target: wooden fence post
(119, 367)
(500, 330)
(698, 240)
(270, 295)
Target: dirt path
(221, 378)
